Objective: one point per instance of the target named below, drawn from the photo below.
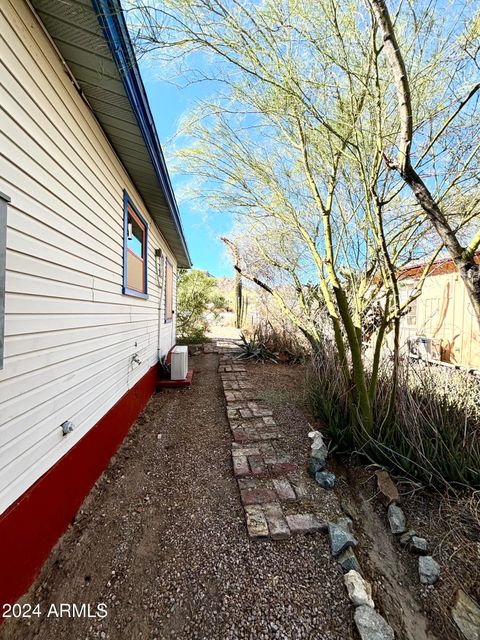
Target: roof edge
(440, 266)
(115, 30)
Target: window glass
(135, 237)
(412, 313)
(135, 252)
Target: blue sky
(202, 228)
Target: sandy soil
(161, 541)
(224, 328)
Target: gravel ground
(161, 540)
(451, 525)
(413, 610)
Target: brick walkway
(162, 541)
(267, 478)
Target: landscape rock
(428, 569)
(371, 625)
(396, 519)
(319, 454)
(315, 465)
(319, 450)
(466, 614)
(325, 479)
(345, 523)
(348, 561)
(406, 537)
(359, 590)
(418, 545)
(388, 492)
(339, 539)
(317, 440)
(349, 509)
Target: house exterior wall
(443, 312)
(70, 333)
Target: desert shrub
(434, 435)
(196, 335)
(269, 341)
(327, 395)
(198, 303)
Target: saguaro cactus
(241, 306)
(241, 302)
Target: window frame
(411, 315)
(4, 202)
(168, 265)
(126, 290)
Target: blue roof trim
(110, 17)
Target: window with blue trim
(135, 251)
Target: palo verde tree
(293, 144)
(448, 130)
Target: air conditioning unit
(425, 348)
(179, 363)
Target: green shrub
(198, 303)
(196, 335)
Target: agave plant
(254, 349)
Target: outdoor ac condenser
(425, 348)
(179, 363)
(420, 346)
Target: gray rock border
(428, 567)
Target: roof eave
(114, 28)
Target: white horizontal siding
(70, 334)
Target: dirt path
(162, 541)
(392, 572)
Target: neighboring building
(93, 242)
(442, 313)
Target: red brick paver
(266, 476)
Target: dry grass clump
(462, 514)
(269, 342)
(460, 545)
(434, 434)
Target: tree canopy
(344, 138)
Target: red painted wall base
(33, 524)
